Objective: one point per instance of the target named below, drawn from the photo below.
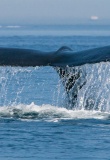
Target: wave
(13, 26)
(48, 113)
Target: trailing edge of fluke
(61, 58)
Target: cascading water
(87, 86)
(27, 84)
(87, 94)
(95, 94)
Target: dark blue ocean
(36, 122)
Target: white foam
(48, 112)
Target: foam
(48, 113)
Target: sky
(53, 11)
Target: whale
(63, 57)
(64, 60)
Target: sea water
(35, 120)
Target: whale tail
(64, 60)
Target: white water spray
(92, 87)
(93, 97)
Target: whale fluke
(64, 57)
(64, 60)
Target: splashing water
(96, 93)
(93, 97)
(12, 83)
(48, 113)
(90, 88)
(25, 85)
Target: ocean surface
(36, 122)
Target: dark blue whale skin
(60, 58)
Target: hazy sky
(52, 11)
